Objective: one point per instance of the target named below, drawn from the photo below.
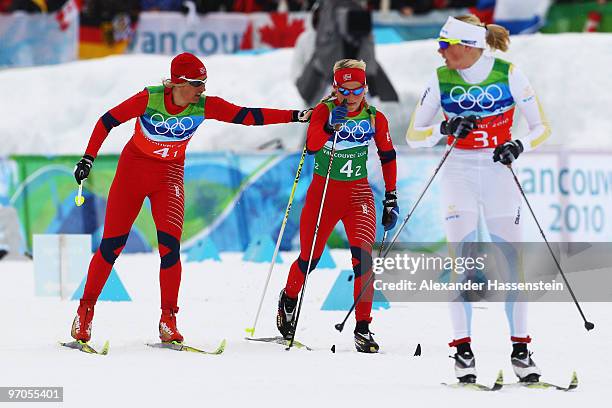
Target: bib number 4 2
(347, 169)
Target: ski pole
(316, 232)
(340, 326)
(399, 230)
(251, 330)
(587, 325)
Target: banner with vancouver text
(171, 33)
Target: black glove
(508, 152)
(82, 168)
(301, 116)
(459, 126)
(390, 210)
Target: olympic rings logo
(177, 127)
(354, 129)
(475, 95)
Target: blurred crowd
(406, 7)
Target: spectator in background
(403, 6)
(36, 6)
(116, 19)
(300, 5)
(344, 32)
(5, 6)
(207, 6)
(161, 5)
(95, 12)
(410, 7)
(580, 1)
(250, 6)
(305, 46)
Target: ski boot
(284, 316)
(81, 325)
(524, 367)
(465, 364)
(364, 341)
(168, 332)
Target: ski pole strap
(457, 342)
(515, 339)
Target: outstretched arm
(219, 109)
(126, 110)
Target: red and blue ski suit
(152, 165)
(349, 196)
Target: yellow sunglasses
(444, 43)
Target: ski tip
(221, 347)
(499, 382)
(574, 381)
(105, 348)
(500, 377)
(250, 331)
(333, 348)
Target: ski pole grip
(338, 126)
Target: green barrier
(573, 17)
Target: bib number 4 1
(165, 152)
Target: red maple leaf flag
(67, 15)
(247, 38)
(281, 33)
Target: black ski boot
(364, 342)
(465, 364)
(524, 367)
(284, 316)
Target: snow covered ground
(570, 73)
(218, 300)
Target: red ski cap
(187, 65)
(344, 75)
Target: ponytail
(498, 38)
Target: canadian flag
(67, 15)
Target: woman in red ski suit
(152, 165)
(349, 197)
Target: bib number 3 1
(482, 137)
